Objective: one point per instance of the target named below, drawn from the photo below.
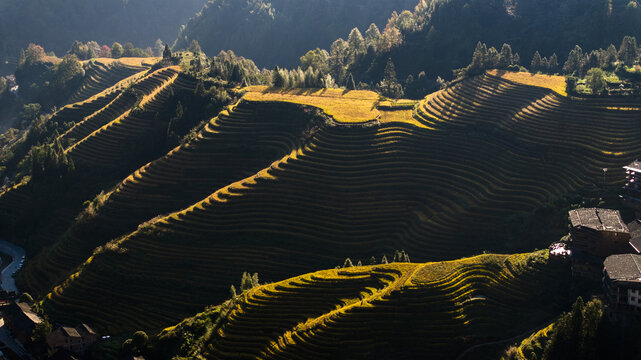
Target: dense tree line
(437, 36)
(276, 32)
(56, 24)
(583, 333)
(44, 79)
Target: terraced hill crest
(399, 310)
(271, 185)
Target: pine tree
(372, 36)
(505, 57)
(350, 84)
(384, 260)
(610, 57)
(356, 43)
(536, 63)
(389, 85)
(232, 292)
(348, 263)
(372, 261)
(277, 78)
(166, 54)
(628, 51)
(553, 63)
(478, 59)
(574, 62)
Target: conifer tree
(574, 62)
(277, 78)
(166, 54)
(505, 56)
(536, 63)
(350, 84)
(348, 263)
(384, 260)
(372, 261)
(553, 63)
(372, 36)
(628, 51)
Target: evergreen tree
(505, 57)
(384, 260)
(389, 85)
(628, 51)
(348, 263)
(356, 43)
(553, 64)
(536, 64)
(574, 62)
(194, 47)
(277, 78)
(610, 57)
(372, 261)
(166, 54)
(493, 58)
(372, 36)
(350, 84)
(479, 59)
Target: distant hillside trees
(277, 32)
(43, 80)
(389, 85)
(235, 69)
(484, 59)
(116, 50)
(50, 163)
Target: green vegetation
(255, 28)
(461, 303)
(269, 174)
(582, 333)
(57, 25)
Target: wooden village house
(20, 320)
(622, 285)
(595, 234)
(75, 340)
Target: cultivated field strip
(489, 148)
(398, 310)
(233, 145)
(100, 76)
(104, 146)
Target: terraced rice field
(101, 74)
(400, 310)
(435, 184)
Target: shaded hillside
(95, 142)
(479, 166)
(400, 310)
(448, 31)
(56, 25)
(278, 32)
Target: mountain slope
(437, 180)
(448, 31)
(278, 32)
(400, 310)
(56, 25)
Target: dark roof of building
(623, 267)
(634, 166)
(25, 309)
(85, 329)
(598, 219)
(635, 235)
(69, 331)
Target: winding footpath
(7, 282)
